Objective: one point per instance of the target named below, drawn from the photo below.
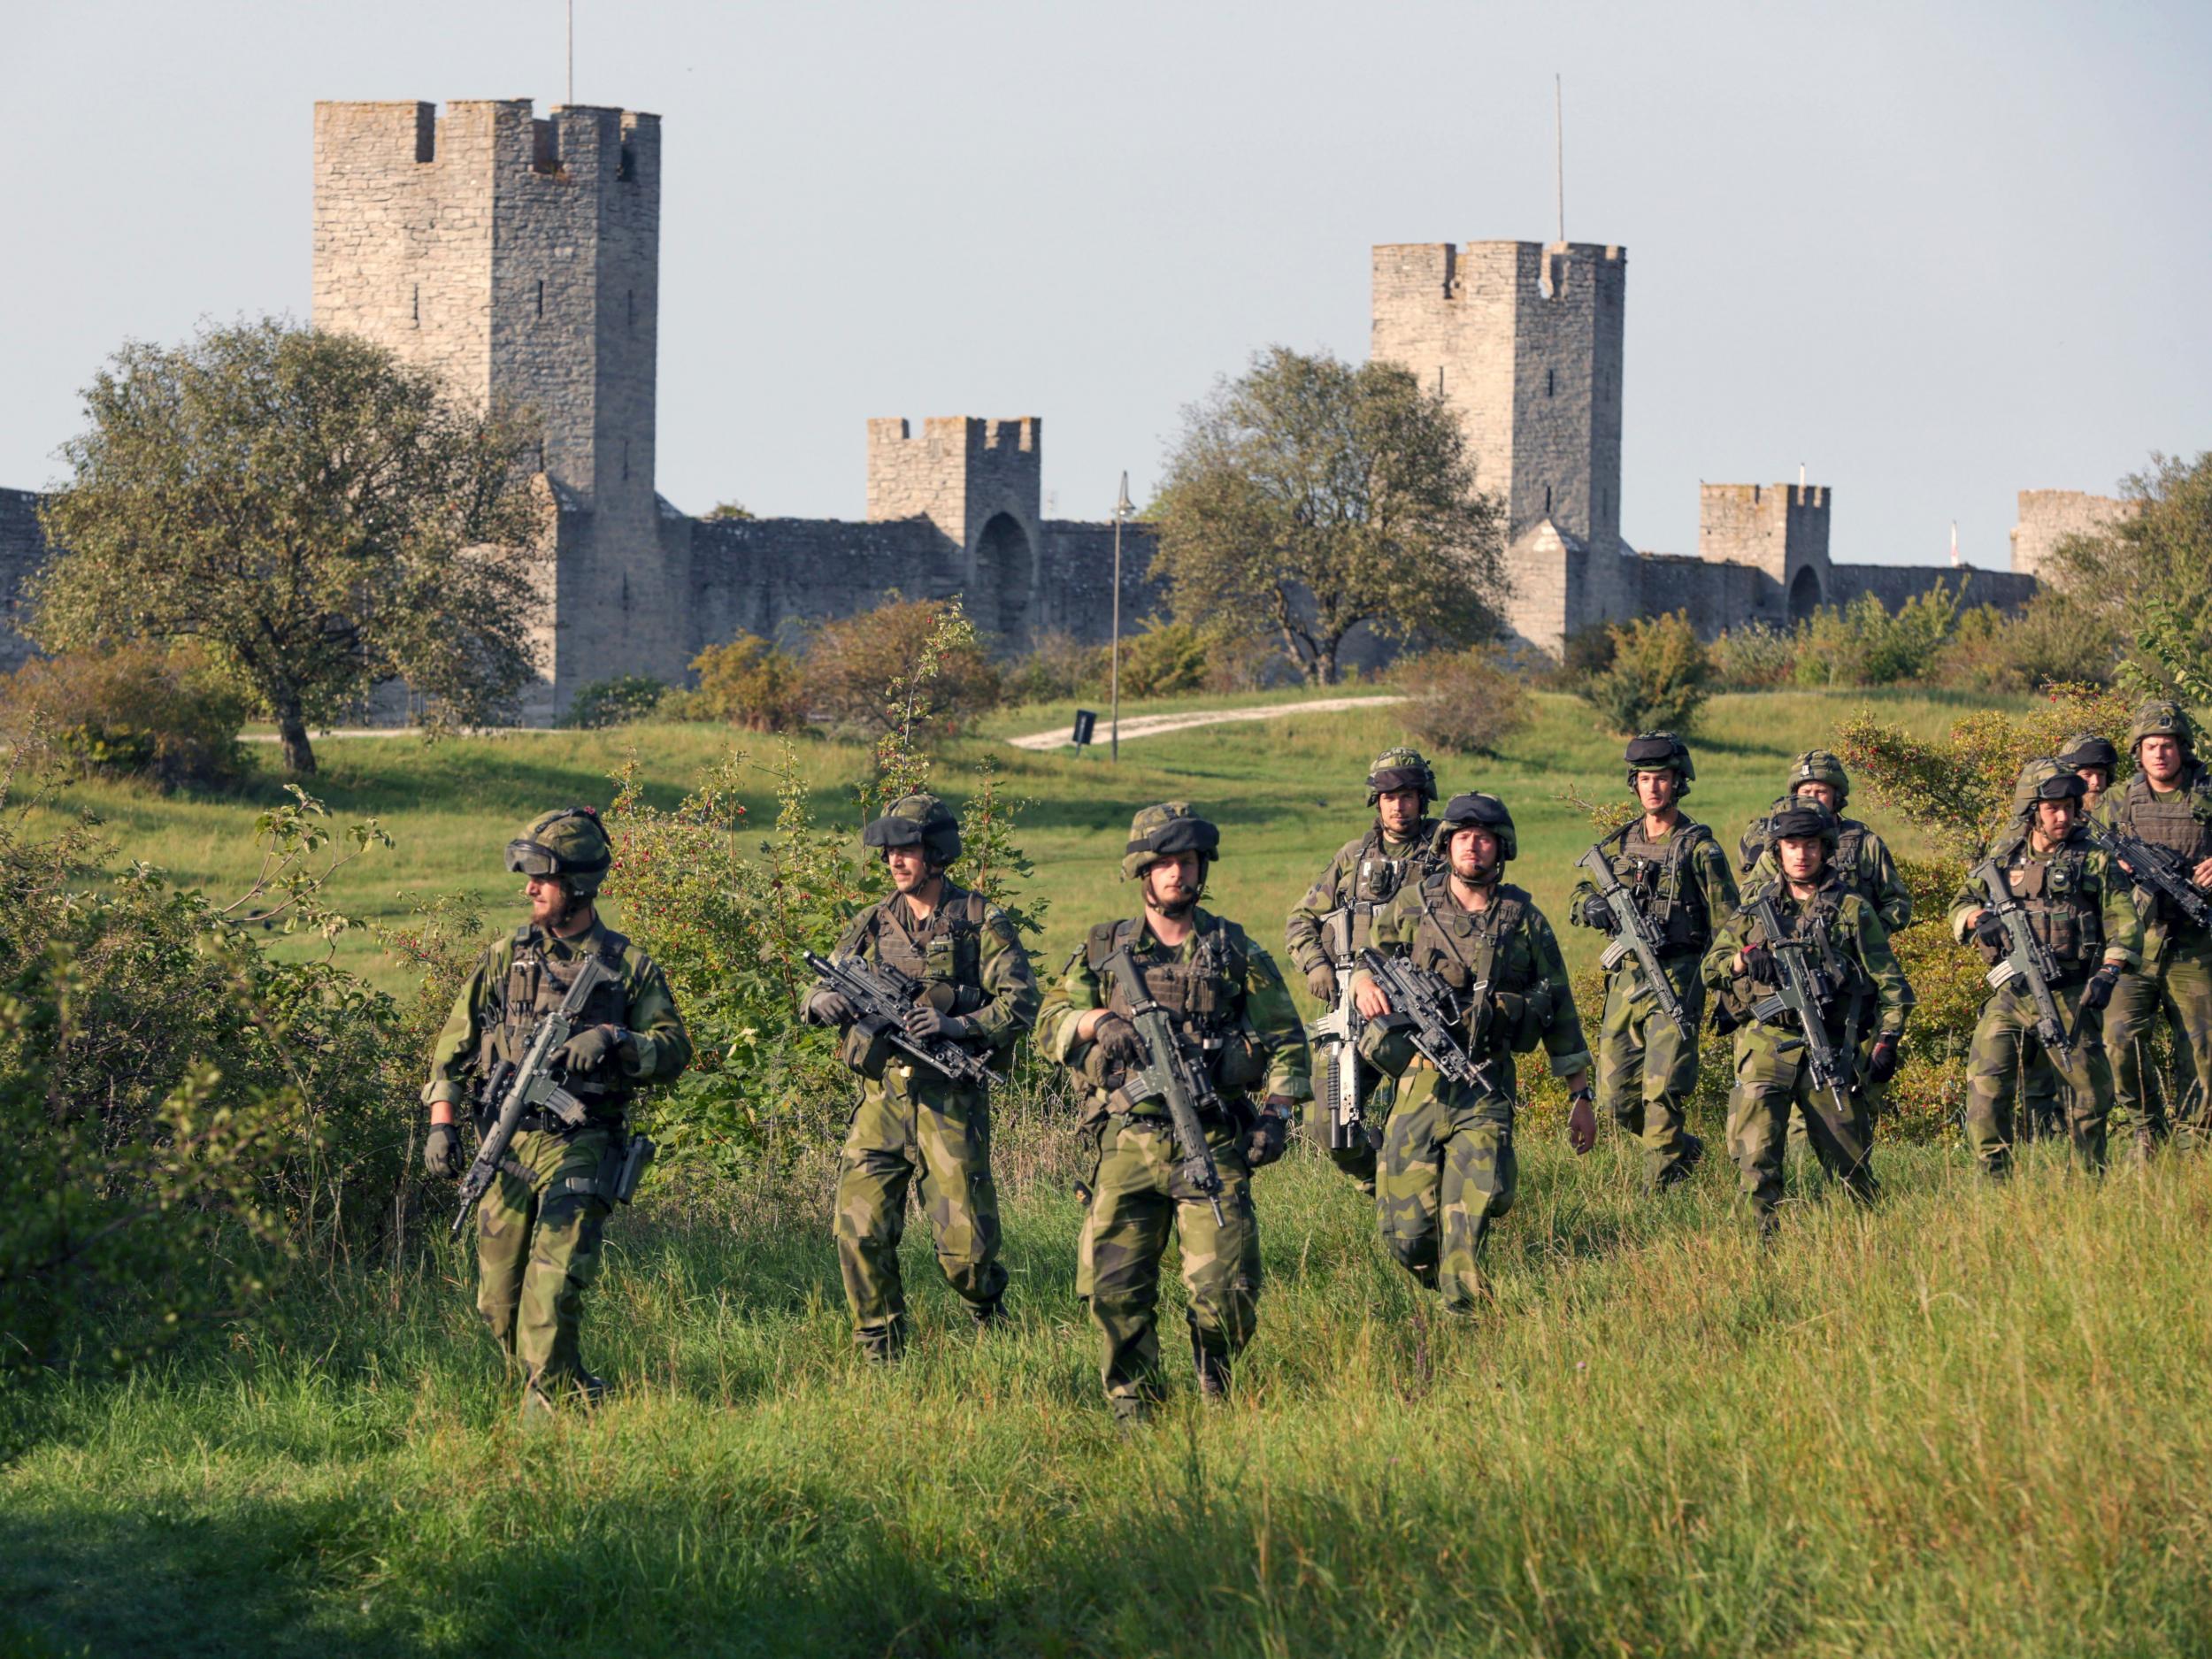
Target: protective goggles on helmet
(527, 858)
(1653, 754)
(2065, 785)
(1795, 822)
(892, 831)
(1179, 835)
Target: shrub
(1583, 655)
(2052, 641)
(1754, 657)
(1058, 667)
(1167, 658)
(622, 701)
(850, 661)
(137, 711)
(1467, 702)
(1659, 678)
(747, 682)
(1863, 644)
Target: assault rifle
(2159, 870)
(881, 995)
(1804, 996)
(1168, 1076)
(1424, 1006)
(514, 1088)
(1633, 932)
(2027, 961)
(1336, 1042)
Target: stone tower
(1779, 529)
(980, 484)
(519, 258)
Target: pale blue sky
(1940, 253)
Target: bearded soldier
(2095, 762)
(2081, 909)
(1234, 1024)
(1365, 874)
(1676, 877)
(977, 990)
(2168, 803)
(1448, 1168)
(1863, 999)
(537, 1240)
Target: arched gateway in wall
(1000, 601)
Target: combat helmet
(2087, 749)
(1162, 830)
(1659, 751)
(1807, 818)
(1817, 765)
(1476, 810)
(917, 820)
(1400, 769)
(570, 843)
(2162, 716)
(2045, 778)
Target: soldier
(1364, 875)
(978, 991)
(537, 1241)
(1448, 1168)
(2081, 911)
(2095, 762)
(1677, 878)
(1867, 1003)
(2169, 803)
(1234, 1015)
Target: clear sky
(1936, 252)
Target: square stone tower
(1780, 530)
(519, 258)
(979, 483)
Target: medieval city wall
(2048, 517)
(22, 551)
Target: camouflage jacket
(662, 1049)
(1338, 886)
(966, 951)
(1681, 882)
(1249, 1007)
(2078, 903)
(1862, 863)
(1854, 949)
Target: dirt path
(1154, 724)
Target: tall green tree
(317, 515)
(2150, 573)
(1309, 497)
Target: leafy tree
(1658, 680)
(865, 671)
(747, 681)
(2151, 572)
(731, 509)
(1309, 496)
(624, 700)
(315, 515)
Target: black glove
(441, 1152)
(1881, 1065)
(1269, 1136)
(1991, 931)
(1597, 912)
(1117, 1039)
(1321, 984)
(1758, 963)
(2098, 992)
(588, 1051)
(923, 1022)
(827, 1008)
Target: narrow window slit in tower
(415, 305)
(1547, 383)
(629, 301)
(625, 460)
(541, 296)
(1548, 498)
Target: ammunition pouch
(1385, 1044)
(1243, 1062)
(867, 1046)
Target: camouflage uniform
(537, 1242)
(1680, 881)
(1364, 875)
(1871, 1002)
(1448, 1168)
(1238, 1024)
(913, 1128)
(2175, 977)
(2081, 909)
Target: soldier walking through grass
(1235, 1028)
(974, 988)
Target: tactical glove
(827, 1008)
(1117, 1039)
(1758, 963)
(1881, 1065)
(1991, 931)
(1597, 912)
(1269, 1136)
(923, 1022)
(2098, 992)
(588, 1051)
(1321, 984)
(441, 1152)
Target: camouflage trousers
(1446, 1172)
(2003, 1038)
(1138, 1200)
(1377, 1089)
(537, 1252)
(1772, 1082)
(2176, 984)
(1646, 1069)
(906, 1132)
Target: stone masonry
(2047, 517)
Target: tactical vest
(1369, 880)
(946, 955)
(1818, 918)
(1657, 875)
(2182, 821)
(1204, 993)
(1468, 950)
(2062, 901)
(1846, 861)
(535, 986)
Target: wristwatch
(1583, 1094)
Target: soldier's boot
(881, 1344)
(1685, 1164)
(1770, 1226)
(542, 1397)
(1213, 1371)
(988, 1316)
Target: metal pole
(1559, 153)
(571, 53)
(1121, 511)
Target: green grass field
(1973, 1422)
